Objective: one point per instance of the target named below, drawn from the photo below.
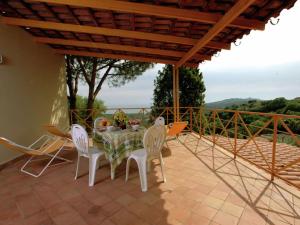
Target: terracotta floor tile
(125, 199)
(250, 215)
(28, 205)
(100, 200)
(214, 223)
(107, 222)
(219, 194)
(40, 218)
(111, 208)
(168, 221)
(149, 198)
(46, 195)
(281, 219)
(213, 202)
(91, 214)
(194, 194)
(10, 214)
(180, 214)
(205, 211)
(211, 189)
(123, 217)
(225, 219)
(196, 219)
(62, 214)
(232, 209)
(235, 199)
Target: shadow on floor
(276, 202)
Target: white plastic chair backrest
(154, 139)
(97, 122)
(160, 121)
(80, 139)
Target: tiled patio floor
(207, 187)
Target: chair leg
(127, 168)
(148, 166)
(92, 169)
(45, 167)
(143, 173)
(112, 171)
(162, 167)
(77, 167)
(23, 167)
(98, 164)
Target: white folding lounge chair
(44, 146)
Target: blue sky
(266, 65)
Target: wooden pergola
(176, 32)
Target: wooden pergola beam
(109, 32)
(160, 11)
(235, 11)
(120, 57)
(117, 47)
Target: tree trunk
(72, 83)
(89, 111)
(91, 99)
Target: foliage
(95, 71)
(98, 107)
(191, 88)
(120, 117)
(230, 102)
(279, 106)
(81, 102)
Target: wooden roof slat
(118, 56)
(118, 47)
(171, 30)
(235, 11)
(109, 31)
(160, 11)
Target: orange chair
(176, 128)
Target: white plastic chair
(160, 121)
(153, 141)
(81, 141)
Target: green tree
(191, 88)
(81, 103)
(95, 71)
(274, 105)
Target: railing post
(214, 127)
(167, 115)
(235, 133)
(174, 94)
(191, 119)
(275, 131)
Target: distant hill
(228, 103)
(277, 105)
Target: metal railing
(269, 141)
